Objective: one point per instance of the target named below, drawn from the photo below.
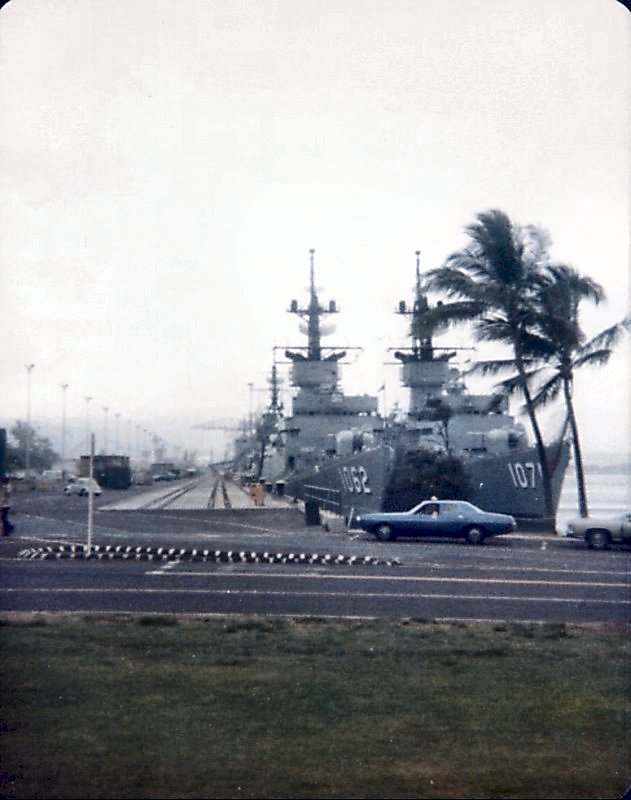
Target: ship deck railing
(327, 499)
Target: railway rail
(207, 492)
(165, 499)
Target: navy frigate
(338, 451)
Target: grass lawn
(165, 707)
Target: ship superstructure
(324, 421)
(442, 413)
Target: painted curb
(111, 552)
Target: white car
(599, 532)
(83, 487)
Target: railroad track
(166, 499)
(205, 492)
(219, 484)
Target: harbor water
(608, 491)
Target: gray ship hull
(362, 483)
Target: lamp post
(105, 410)
(116, 438)
(87, 424)
(250, 417)
(64, 387)
(29, 368)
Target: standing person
(5, 503)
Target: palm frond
(537, 346)
(451, 280)
(594, 358)
(548, 391)
(453, 313)
(491, 367)
(494, 238)
(514, 383)
(494, 329)
(569, 282)
(511, 385)
(608, 338)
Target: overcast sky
(166, 168)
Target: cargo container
(110, 472)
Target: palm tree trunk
(550, 518)
(576, 450)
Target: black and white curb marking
(110, 552)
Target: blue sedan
(441, 518)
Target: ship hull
(363, 483)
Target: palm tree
(495, 281)
(558, 346)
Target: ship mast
(422, 327)
(425, 369)
(312, 314)
(275, 405)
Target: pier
(212, 491)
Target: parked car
(164, 476)
(441, 518)
(83, 487)
(599, 532)
(49, 478)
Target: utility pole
(91, 495)
(105, 410)
(87, 424)
(29, 368)
(64, 387)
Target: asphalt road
(519, 577)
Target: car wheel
(82, 493)
(598, 540)
(384, 533)
(475, 535)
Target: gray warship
(338, 451)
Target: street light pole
(64, 387)
(87, 424)
(105, 410)
(29, 368)
(250, 417)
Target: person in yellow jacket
(257, 493)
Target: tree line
(25, 439)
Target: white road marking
(369, 595)
(320, 575)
